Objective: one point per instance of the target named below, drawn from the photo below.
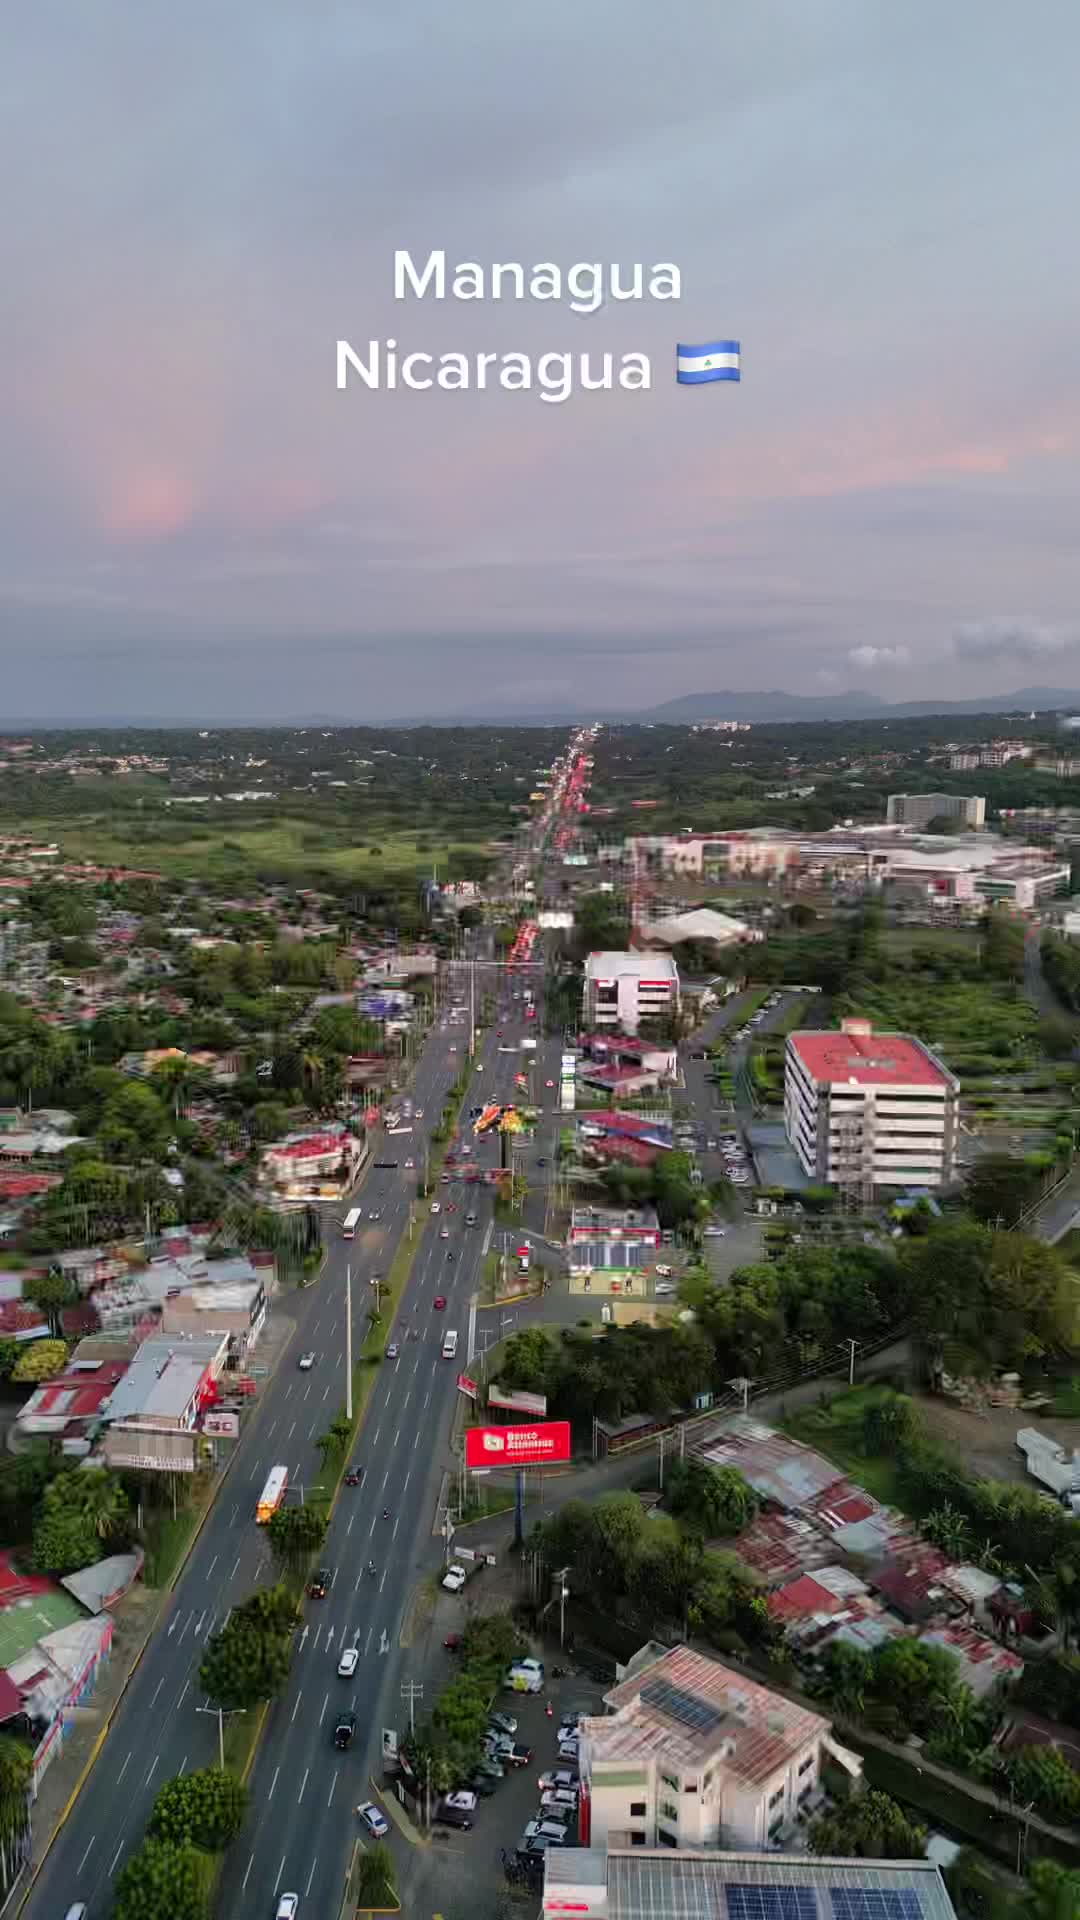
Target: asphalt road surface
(301, 1821)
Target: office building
(918, 809)
(870, 1110)
(695, 1754)
(624, 989)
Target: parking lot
(499, 1820)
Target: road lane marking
(178, 1705)
(397, 1520)
(348, 1529)
(291, 1431)
(326, 1393)
(397, 1437)
(183, 1765)
(123, 1769)
(244, 1881)
(198, 1627)
(382, 1582)
(408, 1477)
(236, 1564)
(329, 1797)
(273, 1783)
(303, 1784)
(311, 1875)
(115, 1858)
(296, 1709)
(212, 1565)
(325, 1704)
(150, 1775)
(186, 1624)
(157, 1689)
(375, 1442)
(280, 1871)
(427, 1396)
(315, 1642)
(82, 1862)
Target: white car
(288, 1906)
(454, 1578)
(307, 1361)
(664, 1273)
(436, 1206)
(409, 1165)
(375, 1822)
(463, 1799)
(349, 1662)
(715, 1233)
(663, 1288)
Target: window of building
(805, 1765)
(776, 1798)
(637, 1809)
(666, 1839)
(689, 1786)
(669, 1781)
(668, 1812)
(638, 1839)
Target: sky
(202, 200)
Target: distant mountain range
(689, 709)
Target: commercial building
(611, 1237)
(870, 1110)
(702, 924)
(652, 1884)
(623, 989)
(153, 1412)
(695, 1754)
(319, 1165)
(918, 809)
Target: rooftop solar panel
(871, 1903)
(687, 1708)
(771, 1903)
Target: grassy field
(233, 850)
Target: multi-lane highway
(301, 1822)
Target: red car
(440, 1303)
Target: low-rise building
(321, 1164)
(870, 1110)
(918, 809)
(624, 989)
(694, 1754)
(630, 1883)
(152, 1413)
(618, 1237)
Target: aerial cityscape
(540, 964)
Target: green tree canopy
(868, 1826)
(206, 1807)
(163, 1881)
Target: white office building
(695, 1754)
(623, 989)
(870, 1109)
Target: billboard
(535, 1446)
(467, 1386)
(225, 1425)
(509, 1397)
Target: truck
(1051, 1466)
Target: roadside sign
(467, 1386)
(534, 1404)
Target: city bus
(272, 1494)
(351, 1222)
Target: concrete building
(870, 1110)
(631, 1883)
(315, 1165)
(154, 1411)
(623, 989)
(613, 1237)
(695, 1754)
(703, 924)
(918, 809)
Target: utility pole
(853, 1345)
(348, 1342)
(660, 1438)
(411, 1692)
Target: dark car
(517, 1756)
(344, 1730)
(483, 1784)
(319, 1584)
(453, 1817)
(354, 1477)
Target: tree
(868, 1826)
(1043, 1774)
(162, 1881)
(247, 1661)
(890, 1424)
(39, 1361)
(1055, 1892)
(16, 1772)
(51, 1292)
(373, 1882)
(999, 1188)
(846, 1678)
(295, 1533)
(716, 1499)
(948, 1529)
(206, 1807)
(9, 1353)
(83, 1515)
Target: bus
(351, 1222)
(272, 1494)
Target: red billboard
(542, 1444)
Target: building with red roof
(870, 1110)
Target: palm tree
(947, 1527)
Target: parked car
(463, 1798)
(448, 1816)
(503, 1723)
(560, 1800)
(664, 1273)
(454, 1578)
(558, 1777)
(375, 1822)
(518, 1755)
(490, 1768)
